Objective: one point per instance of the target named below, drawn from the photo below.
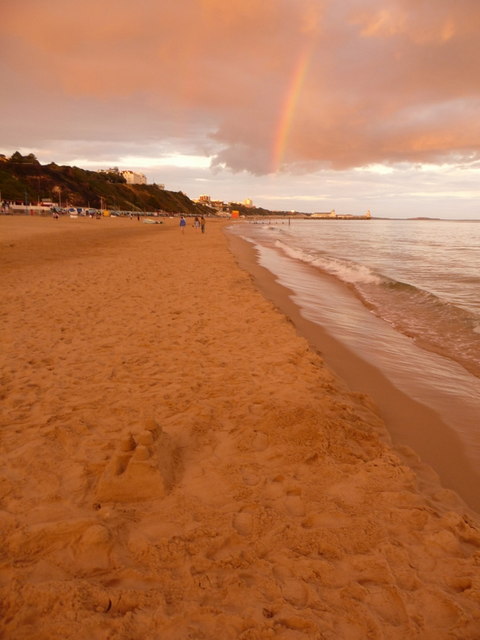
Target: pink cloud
(386, 80)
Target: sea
(403, 295)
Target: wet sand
(178, 462)
(421, 437)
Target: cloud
(257, 86)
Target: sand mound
(143, 467)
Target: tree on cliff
(19, 159)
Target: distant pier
(333, 215)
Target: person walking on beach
(202, 224)
(183, 223)
(196, 224)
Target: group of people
(198, 223)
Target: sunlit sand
(177, 462)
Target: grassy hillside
(24, 179)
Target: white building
(330, 214)
(134, 178)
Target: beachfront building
(218, 205)
(329, 214)
(131, 177)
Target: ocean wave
(440, 321)
(349, 272)
(435, 324)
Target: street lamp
(58, 190)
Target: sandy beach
(178, 462)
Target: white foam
(342, 269)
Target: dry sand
(178, 463)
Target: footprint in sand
(144, 467)
(294, 590)
(294, 505)
(243, 523)
(287, 495)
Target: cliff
(24, 179)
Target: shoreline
(402, 414)
(179, 462)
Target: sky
(305, 105)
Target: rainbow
(289, 106)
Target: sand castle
(143, 467)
